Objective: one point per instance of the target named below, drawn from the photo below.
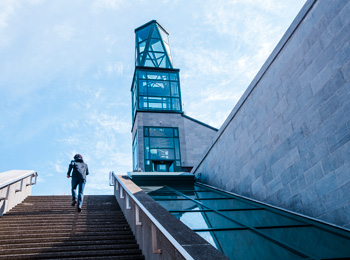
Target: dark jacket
(80, 169)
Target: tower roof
(152, 46)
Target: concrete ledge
(15, 186)
(159, 234)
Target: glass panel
(135, 153)
(164, 63)
(146, 147)
(167, 154)
(165, 195)
(173, 76)
(258, 218)
(142, 74)
(141, 55)
(155, 45)
(167, 48)
(244, 244)
(162, 142)
(174, 89)
(142, 46)
(149, 61)
(210, 194)
(143, 87)
(148, 162)
(177, 205)
(159, 103)
(142, 102)
(164, 132)
(158, 75)
(205, 220)
(189, 188)
(175, 104)
(155, 33)
(158, 88)
(143, 34)
(227, 204)
(146, 133)
(164, 35)
(313, 241)
(176, 132)
(177, 148)
(173, 196)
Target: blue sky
(66, 68)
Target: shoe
(79, 209)
(73, 203)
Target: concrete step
(28, 243)
(51, 249)
(48, 227)
(87, 253)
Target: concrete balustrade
(15, 186)
(159, 234)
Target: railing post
(137, 215)
(20, 189)
(127, 204)
(121, 193)
(154, 240)
(7, 193)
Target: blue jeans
(81, 183)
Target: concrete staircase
(48, 227)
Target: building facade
(163, 138)
(289, 134)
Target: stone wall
(194, 136)
(287, 140)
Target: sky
(66, 69)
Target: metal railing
(114, 181)
(21, 178)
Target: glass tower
(155, 89)
(156, 85)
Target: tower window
(162, 149)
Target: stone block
(284, 194)
(309, 195)
(288, 175)
(332, 86)
(339, 138)
(341, 58)
(336, 216)
(326, 184)
(329, 108)
(346, 71)
(295, 138)
(313, 174)
(325, 56)
(342, 175)
(333, 9)
(304, 96)
(320, 151)
(321, 79)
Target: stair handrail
(155, 222)
(33, 174)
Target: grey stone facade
(194, 136)
(286, 142)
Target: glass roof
(245, 229)
(152, 47)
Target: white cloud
(7, 9)
(116, 68)
(65, 31)
(97, 5)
